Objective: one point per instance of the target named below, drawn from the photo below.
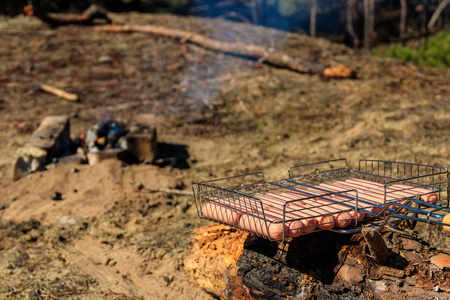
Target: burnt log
(329, 265)
(89, 17)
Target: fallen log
(88, 17)
(323, 265)
(275, 58)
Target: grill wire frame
(247, 194)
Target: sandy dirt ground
(217, 115)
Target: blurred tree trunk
(313, 18)
(256, 8)
(351, 10)
(437, 13)
(424, 18)
(403, 13)
(369, 21)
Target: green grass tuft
(435, 52)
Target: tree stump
(212, 261)
(142, 137)
(51, 139)
(323, 265)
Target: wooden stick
(275, 58)
(57, 92)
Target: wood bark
(275, 58)
(376, 245)
(323, 265)
(88, 17)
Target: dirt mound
(87, 191)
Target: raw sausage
(426, 195)
(342, 218)
(366, 206)
(262, 227)
(300, 224)
(221, 213)
(376, 193)
(392, 195)
(323, 218)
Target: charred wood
(375, 243)
(323, 265)
(88, 17)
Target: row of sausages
(292, 212)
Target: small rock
(56, 196)
(74, 170)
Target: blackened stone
(57, 196)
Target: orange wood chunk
(441, 260)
